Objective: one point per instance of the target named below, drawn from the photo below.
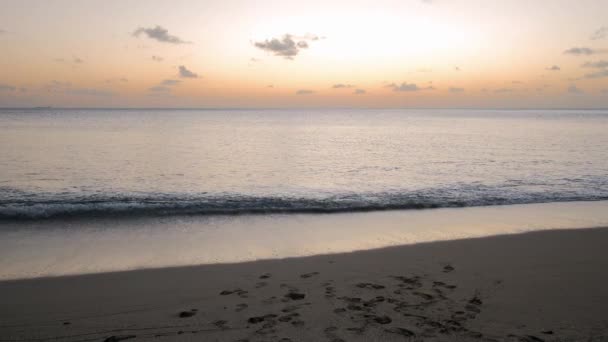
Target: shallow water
(77, 246)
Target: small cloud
(359, 92)
(598, 65)
(517, 82)
(286, 46)
(424, 70)
(457, 68)
(582, 51)
(170, 82)
(270, 86)
(601, 33)
(342, 85)
(157, 58)
(304, 92)
(503, 90)
(405, 87)
(114, 80)
(6, 87)
(553, 68)
(599, 74)
(604, 91)
(572, 89)
(159, 89)
(184, 72)
(75, 60)
(89, 92)
(456, 90)
(160, 34)
(2, 31)
(253, 60)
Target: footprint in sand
(308, 275)
(370, 286)
(265, 276)
(186, 314)
(241, 307)
(448, 268)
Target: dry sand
(541, 286)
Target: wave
(37, 206)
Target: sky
(368, 54)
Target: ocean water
(58, 162)
(85, 191)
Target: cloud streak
(597, 65)
(185, 73)
(407, 87)
(342, 85)
(160, 34)
(601, 33)
(6, 87)
(553, 68)
(304, 92)
(583, 51)
(572, 89)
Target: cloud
(601, 33)
(342, 85)
(457, 68)
(287, 46)
(89, 92)
(599, 74)
(170, 82)
(6, 87)
(184, 72)
(604, 91)
(113, 80)
(407, 87)
(456, 90)
(572, 89)
(359, 92)
(74, 60)
(304, 92)
(159, 89)
(503, 90)
(598, 65)
(160, 34)
(157, 58)
(165, 86)
(553, 68)
(582, 51)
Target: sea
(101, 190)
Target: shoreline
(95, 246)
(547, 285)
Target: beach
(536, 286)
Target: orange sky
(407, 53)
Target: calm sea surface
(162, 162)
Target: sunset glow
(440, 53)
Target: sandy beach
(538, 286)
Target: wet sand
(539, 286)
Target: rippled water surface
(57, 162)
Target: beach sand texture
(539, 286)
